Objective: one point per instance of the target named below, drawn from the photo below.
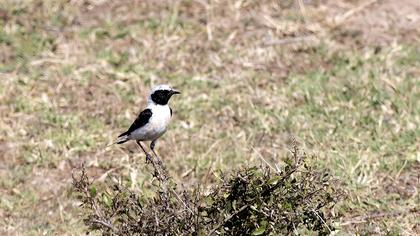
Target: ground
(341, 76)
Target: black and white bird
(153, 121)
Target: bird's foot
(159, 161)
(148, 158)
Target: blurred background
(341, 76)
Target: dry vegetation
(341, 76)
(293, 198)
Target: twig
(316, 213)
(179, 199)
(161, 175)
(340, 19)
(104, 175)
(227, 219)
(91, 201)
(106, 224)
(265, 161)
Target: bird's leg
(152, 147)
(147, 154)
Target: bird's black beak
(175, 92)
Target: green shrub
(252, 201)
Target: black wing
(140, 121)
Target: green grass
(72, 80)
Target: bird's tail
(122, 138)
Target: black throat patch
(161, 97)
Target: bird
(153, 121)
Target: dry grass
(74, 75)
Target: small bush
(252, 201)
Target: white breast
(157, 124)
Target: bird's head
(161, 94)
